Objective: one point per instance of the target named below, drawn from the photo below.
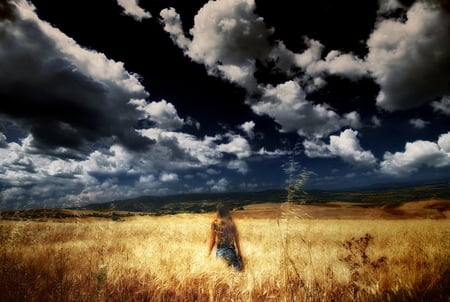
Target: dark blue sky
(105, 100)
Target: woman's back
(225, 235)
(225, 232)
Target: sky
(114, 99)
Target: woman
(225, 235)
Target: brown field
(334, 252)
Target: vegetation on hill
(206, 202)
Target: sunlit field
(164, 258)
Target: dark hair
(222, 211)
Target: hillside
(206, 202)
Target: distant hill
(198, 202)
(206, 202)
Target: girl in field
(225, 234)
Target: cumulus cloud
(162, 113)
(182, 150)
(346, 146)
(405, 59)
(132, 8)
(41, 69)
(444, 142)
(168, 177)
(173, 25)
(314, 67)
(337, 63)
(287, 105)
(227, 38)
(416, 155)
(237, 145)
(248, 128)
(309, 56)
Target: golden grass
(165, 259)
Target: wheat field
(164, 258)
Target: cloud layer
(65, 95)
(90, 134)
(76, 126)
(404, 57)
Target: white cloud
(444, 142)
(310, 60)
(317, 148)
(287, 105)
(115, 160)
(442, 106)
(248, 128)
(172, 25)
(417, 154)
(168, 177)
(97, 178)
(228, 31)
(28, 175)
(219, 186)
(311, 55)
(147, 179)
(162, 113)
(406, 59)
(182, 150)
(132, 8)
(227, 38)
(237, 145)
(336, 63)
(275, 153)
(346, 146)
(418, 123)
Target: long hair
(223, 212)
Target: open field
(291, 252)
